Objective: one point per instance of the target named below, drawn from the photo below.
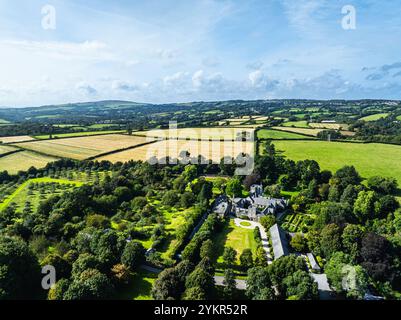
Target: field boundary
(80, 136)
(10, 153)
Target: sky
(162, 51)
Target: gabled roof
(279, 241)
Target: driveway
(240, 284)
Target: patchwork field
(369, 159)
(175, 148)
(278, 135)
(197, 133)
(6, 149)
(15, 139)
(375, 117)
(83, 147)
(306, 131)
(22, 161)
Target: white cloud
(124, 86)
(86, 89)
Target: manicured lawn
(235, 237)
(369, 159)
(278, 135)
(245, 223)
(375, 117)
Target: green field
(235, 237)
(369, 159)
(277, 135)
(22, 161)
(375, 117)
(399, 117)
(2, 121)
(78, 134)
(297, 124)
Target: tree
(267, 221)
(167, 285)
(19, 270)
(330, 240)
(207, 249)
(229, 256)
(300, 285)
(334, 269)
(376, 257)
(187, 199)
(351, 240)
(91, 284)
(98, 221)
(364, 207)
(383, 185)
(170, 198)
(229, 284)
(298, 242)
(202, 279)
(261, 258)
(349, 195)
(133, 255)
(246, 259)
(234, 188)
(190, 173)
(180, 184)
(194, 293)
(259, 284)
(347, 175)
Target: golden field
(22, 161)
(15, 139)
(214, 150)
(83, 147)
(196, 133)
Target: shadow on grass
(139, 288)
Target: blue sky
(185, 50)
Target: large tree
(20, 276)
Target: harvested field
(333, 126)
(15, 139)
(83, 147)
(6, 149)
(174, 148)
(22, 161)
(306, 131)
(196, 133)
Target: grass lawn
(235, 237)
(140, 287)
(278, 135)
(375, 117)
(245, 223)
(369, 159)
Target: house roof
(279, 241)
